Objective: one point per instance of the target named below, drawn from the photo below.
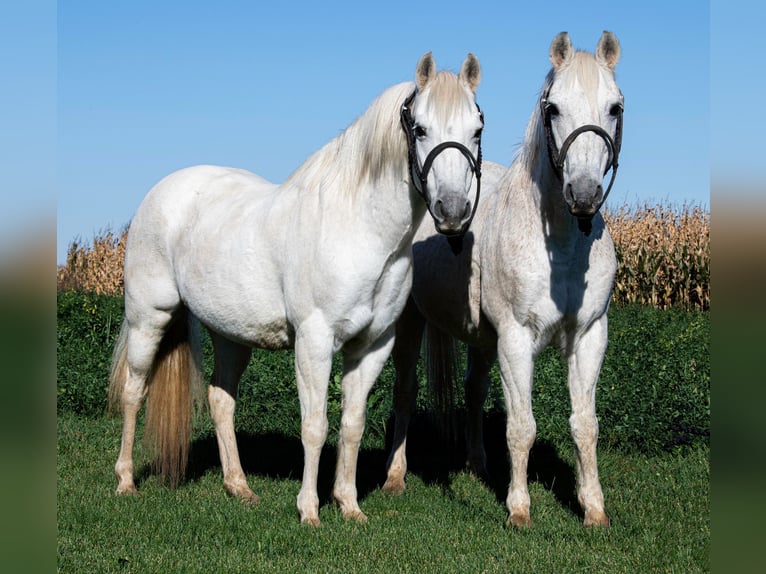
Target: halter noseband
(419, 174)
(557, 157)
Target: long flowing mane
(375, 141)
(363, 151)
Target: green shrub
(87, 326)
(653, 393)
(654, 390)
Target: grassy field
(446, 521)
(653, 405)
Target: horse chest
(365, 300)
(546, 295)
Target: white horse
(321, 263)
(537, 268)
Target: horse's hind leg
(134, 358)
(231, 359)
(405, 354)
(476, 382)
(584, 365)
(359, 374)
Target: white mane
(375, 141)
(362, 151)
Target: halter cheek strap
(558, 157)
(419, 175)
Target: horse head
(581, 108)
(443, 124)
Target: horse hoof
(242, 493)
(519, 521)
(312, 521)
(394, 486)
(129, 490)
(356, 515)
(596, 520)
(249, 499)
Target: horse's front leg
(231, 359)
(584, 365)
(360, 370)
(516, 363)
(313, 364)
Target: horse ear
(425, 71)
(470, 73)
(561, 50)
(608, 50)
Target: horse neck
(533, 198)
(362, 176)
(383, 194)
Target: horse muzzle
(451, 216)
(583, 196)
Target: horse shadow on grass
(431, 456)
(436, 458)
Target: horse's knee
(521, 434)
(314, 433)
(584, 428)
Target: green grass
(446, 521)
(653, 405)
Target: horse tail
(174, 390)
(118, 375)
(441, 366)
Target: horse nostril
(569, 193)
(438, 210)
(466, 211)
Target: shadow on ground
(430, 455)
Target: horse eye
(477, 135)
(615, 110)
(420, 132)
(552, 109)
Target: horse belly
(242, 301)
(262, 326)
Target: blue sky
(145, 88)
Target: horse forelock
(584, 71)
(373, 143)
(446, 97)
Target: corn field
(663, 256)
(96, 267)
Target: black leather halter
(419, 174)
(558, 157)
